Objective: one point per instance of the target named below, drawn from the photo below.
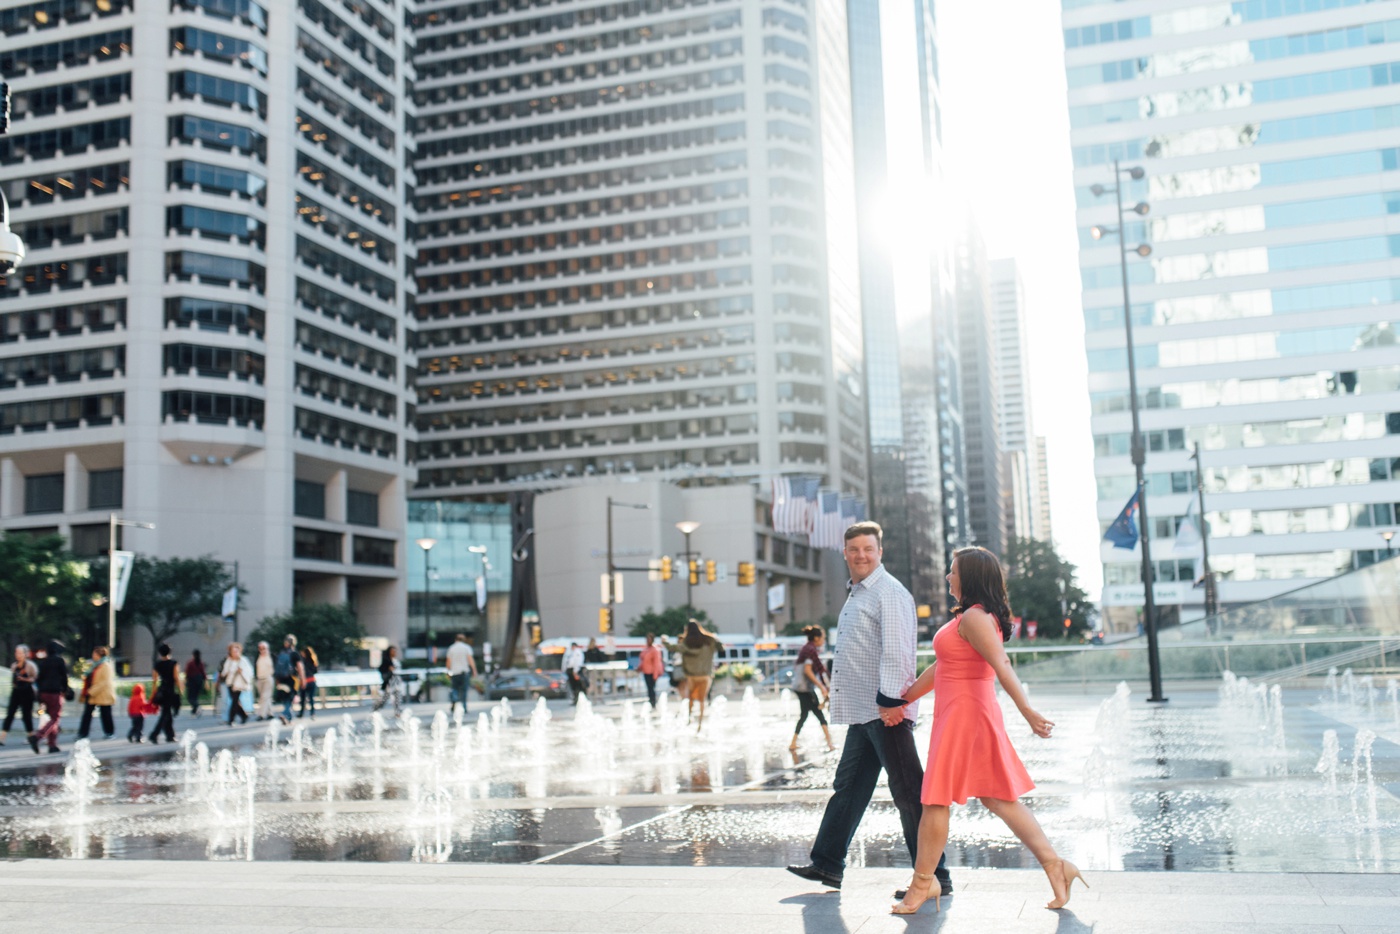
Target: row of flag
(801, 506)
(1123, 532)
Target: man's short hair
(290, 640)
(866, 528)
(461, 637)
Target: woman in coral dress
(969, 754)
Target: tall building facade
(1265, 317)
(208, 333)
(917, 469)
(1021, 462)
(981, 393)
(635, 251)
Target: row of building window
(337, 432)
(1333, 472)
(309, 502)
(71, 95)
(187, 265)
(211, 315)
(583, 236)
(216, 134)
(371, 17)
(69, 53)
(345, 392)
(65, 413)
(70, 229)
(1209, 394)
(349, 75)
(689, 312)
(186, 219)
(221, 92)
(88, 271)
(345, 310)
(719, 456)
(62, 367)
(1356, 427)
(551, 410)
(217, 362)
(487, 9)
(188, 40)
(50, 14)
(350, 37)
(245, 11)
(333, 264)
(66, 141)
(1238, 348)
(318, 133)
(709, 367)
(188, 174)
(334, 224)
(356, 196)
(213, 408)
(93, 181)
(703, 339)
(343, 350)
(687, 429)
(41, 323)
(320, 545)
(44, 493)
(615, 290)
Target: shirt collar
(869, 580)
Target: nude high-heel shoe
(1068, 873)
(931, 890)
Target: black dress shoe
(34, 743)
(945, 888)
(814, 874)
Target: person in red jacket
(651, 666)
(137, 708)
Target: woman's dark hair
(813, 632)
(696, 636)
(197, 656)
(310, 653)
(163, 650)
(983, 584)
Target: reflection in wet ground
(1243, 780)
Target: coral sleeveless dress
(969, 754)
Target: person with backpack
(310, 665)
(289, 673)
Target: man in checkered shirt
(873, 667)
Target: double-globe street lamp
(427, 545)
(1139, 451)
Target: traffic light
(746, 573)
(710, 571)
(694, 572)
(667, 572)
(604, 619)
(536, 634)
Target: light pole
(687, 528)
(112, 574)
(1388, 534)
(613, 568)
(427, 545)
(481, 590)
(1139, 450)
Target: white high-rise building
(1265, 316)
(1021, 470)
(208, 333)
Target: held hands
(892, 716)
(1039, 725)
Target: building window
(780, 551)
(316, 545)
(104, 490)
(43, 493)
(760, 547)
(361, 509)
(376, 551)
(309, 499)
(89, 541)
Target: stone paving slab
(318, 898)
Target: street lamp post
(1139, 449)
(481, 591)
(612, 567)
(687, 528)
(427, 545)
(1388, 534)
(113, 522)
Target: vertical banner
(121, 565)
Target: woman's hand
(1039, 725)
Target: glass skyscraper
(1265, 316)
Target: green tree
(168, 595)
(331, 629)
(1035, 572)
(669, 622)
(44, 591)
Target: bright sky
(1007, 133)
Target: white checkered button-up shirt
(876, 636)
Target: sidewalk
(282, 898)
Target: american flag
(794, 499)
(827, 527)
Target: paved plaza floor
(58, 897)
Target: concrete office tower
(1022, 512)
(631, 255)
(208, 333)
(1264, 318)
(1042, 483)
(917, 476)
(981, 402)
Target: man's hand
(892, 716)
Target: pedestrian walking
(196, 677)
(288, 673)
(165, 692)
(698, 649)
(969, 753)
(575, 672)
(873, 666)
(808, 680)
(138, 708)
(461, 668)
(236, 674)
(99, 694)
(390, 681)
(23, 673)
(651, 666)
(262, 673)
(310, 665)
(51, 683)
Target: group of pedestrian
(874, 692)
(698, 648)
(38, 676)
(284, 679)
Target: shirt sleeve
(897, 628)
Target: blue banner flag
(1123, 533)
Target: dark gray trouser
(869, 748)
